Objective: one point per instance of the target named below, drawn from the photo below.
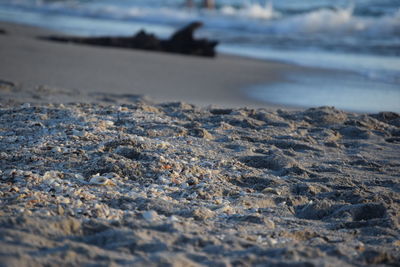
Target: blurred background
(359, 36)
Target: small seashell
(52, 175)
(140, 139)
(269, 190)
(78, 176)
(163, 145)
(100, 180)
(108, 123)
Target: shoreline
(88, 70)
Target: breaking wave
(251, 17)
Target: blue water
(360, 36)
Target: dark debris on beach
(181, 42)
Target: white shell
(100, 180)
(52, 175)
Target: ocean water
(359, 36)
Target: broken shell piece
(52, 175)
(269, 190)
(14, 189)
(101, 180)
(78, 176)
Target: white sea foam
(254, 10)
(339, 21)
(252, 17)
(323, 20)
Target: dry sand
(174, 184)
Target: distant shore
(89, 74)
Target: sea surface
(359, 36)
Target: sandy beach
(87, 73)
(102, 164)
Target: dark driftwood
(181, 42)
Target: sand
(173, 184)
(87, 73)
(115, 179)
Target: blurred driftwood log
(181, 42)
